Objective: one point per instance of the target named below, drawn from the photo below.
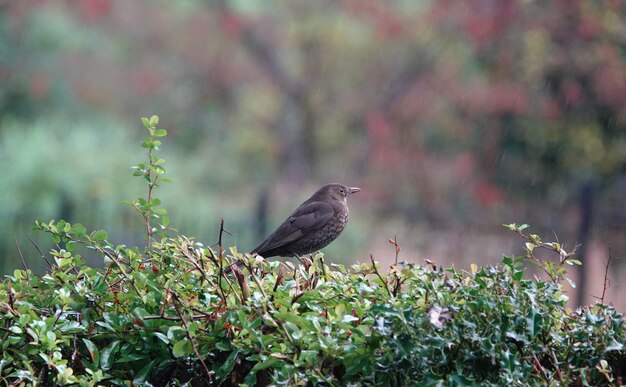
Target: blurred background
(453, 117)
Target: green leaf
(146, 122)
(154, 120)
(182, 348)
(143, 375)
(614, 346)
(222, 346)
(160, 133)
(162, 337)
(99, 235)
(265, 364)
(228, 365)
(78, 230)
(105, 325)
(93, 352)
(70, 246)
(107, 356)
(147, 143)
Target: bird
(312, 226)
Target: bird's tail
(228, 269)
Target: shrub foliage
(167, 313)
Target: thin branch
(221, 275)
(279, 279)
(195, 317)
(147, 215)
(119, 265)
(11, 305)
(19, 250)
(193, 345)
(559, 374)
(398, 284)
(607, 282)
(243, 284)
(222, 231)
(194, 263)
(539, 368)
(40, 253)
(379, 276)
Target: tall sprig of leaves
(155, 217)
(556, 271)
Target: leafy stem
(152, 171)
(556, 272)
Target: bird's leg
(298, 258)
(306, 262)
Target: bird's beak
(354, 189)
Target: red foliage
(92, 11)
(387, 23)
(232, 24)
(488, 194)
(385, 150)
(485, 20)
(39, 86)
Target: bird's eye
(342, 191)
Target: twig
(221, 275)
(119, 265)
(202, 313)
(268, 308)
(559, 374)
(11, 305)
(606, 276)
(558, 248)
(279, 279)
(193, 345)
(193, 262)
(396, 287)
(222, 231)
(539, 368)
(220, 245)
(379, 276)
(19, 250)
(195, 317)
(147, 216)
(40, 253)
(243, 284)
(394, 242)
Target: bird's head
(338, 192)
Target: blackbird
(312, 226)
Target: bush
(167, 313)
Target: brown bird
(312, 226)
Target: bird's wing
(306, 219)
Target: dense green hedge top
(166, 313)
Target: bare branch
(19, 250)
